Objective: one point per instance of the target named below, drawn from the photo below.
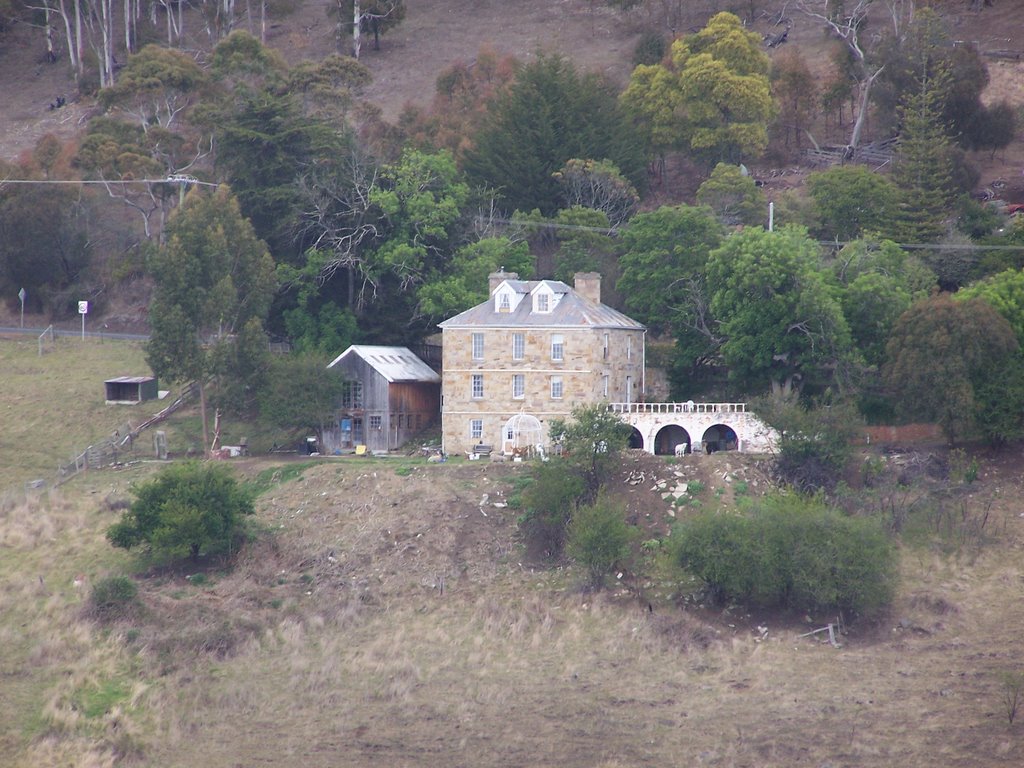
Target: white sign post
(22, 295)
(83, 310)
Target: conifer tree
(923, 170)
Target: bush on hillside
(188, 509)
(548, 502)
(794, 553)
(815, 444)
(599, 538)
(113, 598)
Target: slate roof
(571, 311)
(393, 363)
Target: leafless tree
(848, 24)
(341, 220)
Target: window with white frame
(604, 386)
(504, 302)
(605, 347)
(543, 302)
(476, 429)
(518, 386)
(478, 386)
(557, 347)
(375, 422)
(478, 346)
(629, 389)
(518, 346)
(556, 387)
(629, 347)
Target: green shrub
(188, 509)
(695, 487)
(793, 553)
(548, 502)
(815, 444)
(599, 538)
(113, 598)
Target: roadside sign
(83, 307)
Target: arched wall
(752, 434)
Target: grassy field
(53, 405)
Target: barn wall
(391, 414)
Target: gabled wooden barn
(391, 396)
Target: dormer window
(542, 301)
(506, 299)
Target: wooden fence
(119, 446)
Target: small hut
(129, 390)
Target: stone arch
(668, 438)
(720, 437)
(636, 440)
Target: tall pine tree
(924, 163)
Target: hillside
(387, 613)
(386, 616)
(436, 33)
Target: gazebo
(522, 435)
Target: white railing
(688, 407)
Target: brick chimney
(588, 285)
(497, 278)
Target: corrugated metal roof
(129, 380)
(571, 311)
(393, 363)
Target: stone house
(390, 396)
(531, 353)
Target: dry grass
(332, 643)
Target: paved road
(95, 334)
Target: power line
(174, 179)
(615, 231)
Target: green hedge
(794, 553)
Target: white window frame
(518, 346)
(606, 344)
(504, 302)
(557, 347)
(518, 386)
(557, 388)
(477, 340)
(604, 385)
(476, 429)
(629, 347)
(542, 302)
(629, 389)
(477, 386)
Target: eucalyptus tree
(712, 100)
(213, 284)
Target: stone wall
(582, 371)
